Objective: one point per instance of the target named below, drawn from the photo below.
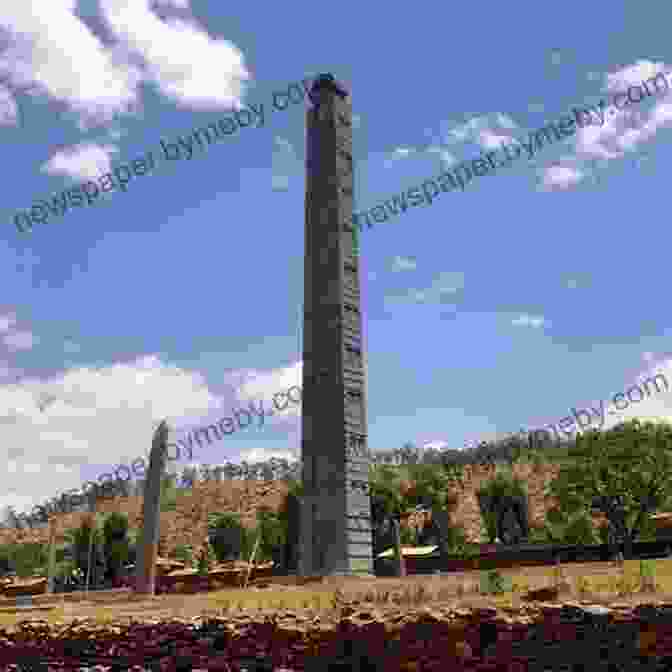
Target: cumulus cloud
(106, 416)
(101, 416)
(624, 130)
(97, 77)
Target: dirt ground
(273, 596)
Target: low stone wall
(432, 639)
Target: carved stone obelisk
(335, 528)
(148, 550)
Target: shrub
(28, 558)
(184, 553)
(647, 568)
(492, 582)
(227, 536)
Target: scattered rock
(541, 595)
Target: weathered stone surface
(148, 549)
(334, 429)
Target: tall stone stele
(148, 550)
(335, 524)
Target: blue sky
(498, 308)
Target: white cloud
(179, 58)
(104, 416)
(445, 284)
(97, 78)
(633, 125)
(284, 164)
(403, 264)
(20, 340)
(70, 346)
(529, 321)
(559, 176)
(83, 161)
(173, 4)
(9, 110)
(435, 445)
(505, 121)
(260, 386)
(655, 406)
(447, 158)
(261, 455)
(6, 322)
(397, 154)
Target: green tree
(28, 559)
(185, 553)
(273, 531)
(205, 559)
(86, 542)
(624, 472)
(168, 497)
(561, 527)
(226, 533)
(495, 497)
(116, 544)
(288, 515)
(388, 487)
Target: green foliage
(385, 485)
(225, 547)
(64, 569)
(456, 540)
(185, 553)
(273, 532)
(408, 536)
(647, 568)
(205, 560)
(80, 539)
(632, 461)
(116, 545)
(564, 528)
(504, 485)
(168, 497)
(430, 486)
(27, 559)
(493, 583)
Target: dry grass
(594, 582)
